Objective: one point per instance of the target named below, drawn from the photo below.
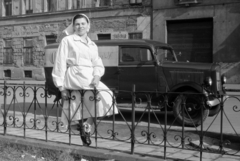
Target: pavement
(111, 149)
(106, 149)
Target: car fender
(181, 87)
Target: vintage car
(153, 66)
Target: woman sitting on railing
(78, 67)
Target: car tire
(192, 117)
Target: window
(7, 73)
(8, 52)
(81, 4)
(105, 2)
(8, 7)
(28, 51)
(8, 56)
(135, 2)
(28, 73)
(104, 36)
(51, 39)
(164, 54)
(50, 5)
(135, 55)
(29, 6)
(102, 3)
(137, 35)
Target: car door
(136, 67)
(109, 55)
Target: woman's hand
(65, 94)
(95, 81)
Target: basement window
(104, 36)
(28, 73)
(7, 73)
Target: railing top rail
(21, 83)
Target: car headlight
(208, 81)
(224, 79)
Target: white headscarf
(69, 30)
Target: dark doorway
(192, 38)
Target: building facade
(27, 26)
(199, 30)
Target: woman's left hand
(95, 81)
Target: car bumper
(215, 101)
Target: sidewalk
(108, 149)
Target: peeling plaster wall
(226, 31)
(119, 24)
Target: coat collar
(78, 38)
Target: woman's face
(81, 26)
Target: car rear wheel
(190, 115)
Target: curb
(229, 137)
(84, 151)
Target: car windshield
(165, 54)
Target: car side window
(135, 55)
(165, 55)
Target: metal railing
(23, 103)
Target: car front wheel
(188, 107)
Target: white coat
(76, 64)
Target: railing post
(149, 118)
(221, 125)
(201, 132)
(113, 106)
(95, 114)
(133, 120)
(46, 114)
(4, 105)
(14, 108)
(165, 126)
(24, 113)
(35, 106)
(69, 117)
(82, 104)
(183, 124)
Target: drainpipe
(151, 20)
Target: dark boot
(85, 134)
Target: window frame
(8, 59)
(50, 8)
(166, 58)
(101, 35)
(151, 62)
(28, 54)
(8, 7)
(132, 33)
(29, 6)
(105, 3)
(8, 56)
(50, 38)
